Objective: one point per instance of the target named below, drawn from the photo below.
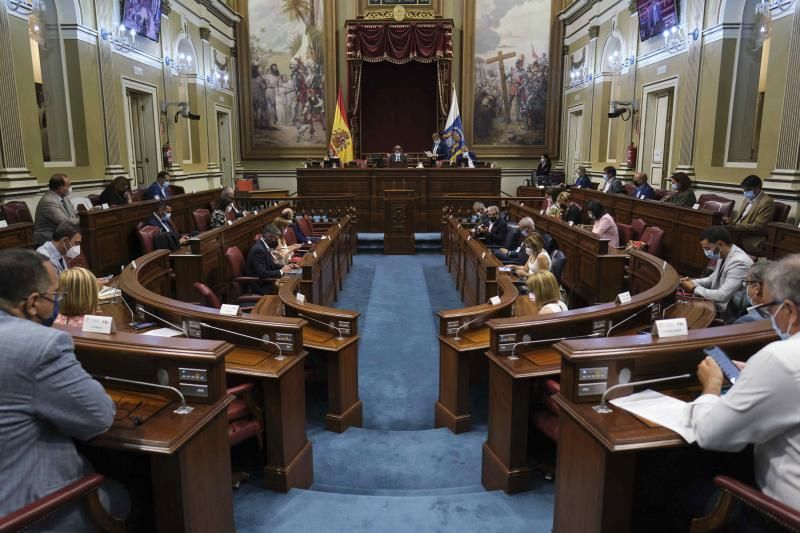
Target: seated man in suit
(47, 398)
(729, 273)
(466, 158)
(754, 293)
(262, 263)
(65, 246)
(755, 215)
(612, 184)
(518, 255)
(54, 208)
(480, 217)
(496, 227)
(397, 158)
(161, 219)
(233, 207)
(643, 190)
(158, 190)
(439, 150)
(288, 214)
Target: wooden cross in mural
(499, 60)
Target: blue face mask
(674, 187)
(783, 335)
(167, 216)
(711, 254)
(166, 184)
(49, 321)
(749, 195)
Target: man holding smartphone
(761, 408)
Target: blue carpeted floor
(397, 473)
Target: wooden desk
(109, 235)
(185, 457)
(783, 240)
(682, 225)
(17, 236)
(598, 453)
(288, 461)
(429, 186)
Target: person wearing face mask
(47, 398)
(582, 179)
(683, 194)
(261, 262)
(169, 238)
(439, 150)
(729, 273)
(761, 407)
(495, 228)
(64, 247)
(466, 159)
(604, 225)
(754, 292)
(541, 176)
(301, 237)
(397, 158)
(538, 258)
(612, 184)
(53, 209)
(517, 256)
(159, 189)
(233, 207)
(118, 192)
(756, 213)
(643, 189)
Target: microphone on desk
(513, 356)
(603, 408)
(182, 410)
(338, 331)
(141, 309)
(279, 357)
(465, 324)
(614, 326)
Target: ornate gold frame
(467, 100)
(412, 11)
(249, 151)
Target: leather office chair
(653, 236)
(777, 512)
(511, 240)
(207, 297)
(94, 198)
(625, 231)
(714, 202)
(781, 213)
(202, 219)
(314, 230)
(549, 243)
(556, 177)
(174, 190)
(593, 185)
(16, 211)
(239, 287)
(663, 194)
(146, 236)
(83, 490)
(138, 195)
(637, 228)
(244, 185)
(244, 422)
(558, 262)
(630, 188)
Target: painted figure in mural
(272, 81)
(258, 97)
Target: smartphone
(142, 325)
(729, 370)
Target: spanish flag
(341, 138)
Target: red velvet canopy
(399, 43)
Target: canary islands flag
(341, 138)
(453, 133)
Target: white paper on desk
(658, 408)
(163, 332)
(108, 292)
(505, 269)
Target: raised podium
(398, 225)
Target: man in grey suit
(53, 209)
(730, 271)
(46, 397)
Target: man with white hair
(494, 228)
(761, 407)
(227, 192)
(518, 255)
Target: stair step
(468, 489)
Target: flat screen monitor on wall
(655, 16)
(144, 16)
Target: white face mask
(528, 252)
(74, 252)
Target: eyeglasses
(746, 283)
(57, 297)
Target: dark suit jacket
(260, 264)
(616, 186)
(403, 160)
(111, 197)
(155, 190)
(543, 169)
(572, 213)
(498, 233)
(583, 182)
(461, 161)
(441, 152)
(644, 192)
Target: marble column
(104, 15)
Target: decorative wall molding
(721, 31)
(79, 32)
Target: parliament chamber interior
(400, 266)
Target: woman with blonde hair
(282, 252)
(79, 288)
(538, 258)
(546, 292)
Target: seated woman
(220, 215)
(582, 179)
(283, 253)
(118, 192)
(546, 292)
(604, 225)
(538, 258)
(552, 209)
(569, 211)
(79, 288)
(682, 187)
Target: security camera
(623, 109)
(183, 110)
(614, 111)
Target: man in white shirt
(762, 407)
(63, 247)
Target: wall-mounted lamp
(18, 6)
(676, 36)
(120, 37)
(218, 79)
(579, 75)
(179, 65)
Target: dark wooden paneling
(16, 236)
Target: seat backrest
(512, 237)
(550, 244)
(725, 208)
(305, 226)
(290, 237)
(138, 195)
(94, 198)
(653, 236)
(625, 231)
(593, 185)
(781, 213)
(16, 211)
(663, 194)
(207, 296)
(202, 219)
(637, 228)
(146, 236)
(244, 185)
(174, 190)
(558, 261)
(630, 188)
(235, 261)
